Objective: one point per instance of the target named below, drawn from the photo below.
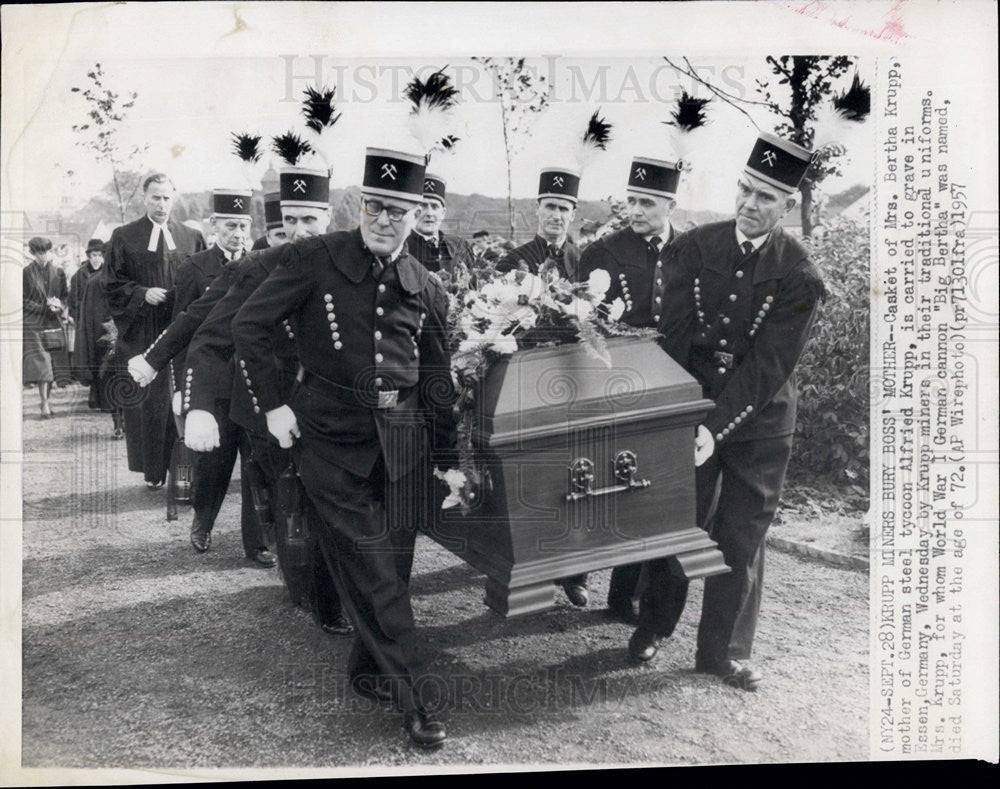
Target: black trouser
(210, 480)
(370, 557)
(738, 489)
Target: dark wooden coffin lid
(551, 390)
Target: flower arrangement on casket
(492, 315)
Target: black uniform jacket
(536, 252)
(130, 269)
(626, 257)
(192, 280)
(739, 323)
(443, 256)
(356, 336)
(210, 355)
(260, 243)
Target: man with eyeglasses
(739, 299)
(551, 246)
(436, 251)
(375, 384)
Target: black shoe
(154, 485)
(424, 731)
(372, 686)
(623, 611)
(341, 626)
(201, 538)
(576, 592)
(264, 558)
(644, 644)
(732, 672)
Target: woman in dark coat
(45, 293)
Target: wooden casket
(585, 467)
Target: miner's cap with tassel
(272, 210)
(656, 177)
(559, 182)
(304, 187)
(394, 174)
(777, 162)
(231, 203)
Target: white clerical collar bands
(154, 237)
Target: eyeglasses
(374, 208)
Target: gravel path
(138, 652)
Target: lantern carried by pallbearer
(179, 476)
(295, 540)
(584, 466)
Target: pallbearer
(633, 258)
(739, 298)
(370, 329)
(557, 197)
(305, 209)
(274, 228)
(435, 250)
(558, 188)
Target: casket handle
(581, 477)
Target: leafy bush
(832, 436)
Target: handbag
(53, 339)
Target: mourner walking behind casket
(633, 258)
(435, 250)
(739, 299)
(370, 330)
(305, 207)
(44, 310)
(141, 261)
(557, 197)
(88, 268)
(274, 230)
(95, 353)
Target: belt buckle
(388, 399)
(725, 359)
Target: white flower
(455, 480)
(598, 282)
(504, 344)
(617, 309)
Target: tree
(106, 113)
(522, 94)
(809, 80)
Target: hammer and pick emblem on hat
(770, 157)
(389, 171)
(557, 180)
(428, 186)
(640, 173)
(238, 202)
(298, 185)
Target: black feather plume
(598, 132)
(290, 147)
(436, 93)
(247, 147)
(318, 108)
(855, 103)
(688, 113)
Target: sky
(187, 107)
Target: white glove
(201, 433)
(176, 403)
(704, 445)
(141, 371)
(282, 425)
